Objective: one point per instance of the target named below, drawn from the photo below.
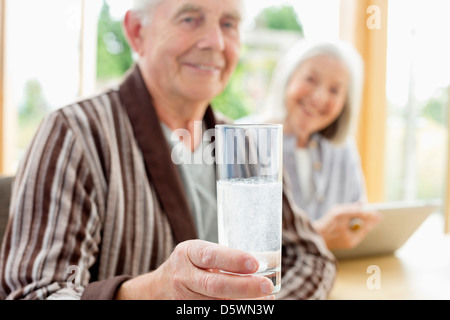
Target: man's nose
(212, 38)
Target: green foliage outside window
(436, 109)
(279, 18)
(114, 55)
(31, 110)
(233, 102)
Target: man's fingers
(206, 255)
(232, 282)
(230, 286)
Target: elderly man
(99, 210)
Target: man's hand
(193, 272)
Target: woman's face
(316, 94)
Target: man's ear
(132, 26)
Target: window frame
(447, 184)
(7, 116)
(372, 45)
(2, 82)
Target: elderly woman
(316, 92)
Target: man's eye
(229, 25)
(188, 20)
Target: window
(418, 82)
(43, 63)
(51, 61)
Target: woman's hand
(345, 226)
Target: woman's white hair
(275, 106)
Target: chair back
(5, 198)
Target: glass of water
(249, 192)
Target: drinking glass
(249, 192)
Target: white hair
(143, 5)
(275, 106)
(145, 8)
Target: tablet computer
(400, 221)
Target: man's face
(190, 48)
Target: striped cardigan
(98, 200)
